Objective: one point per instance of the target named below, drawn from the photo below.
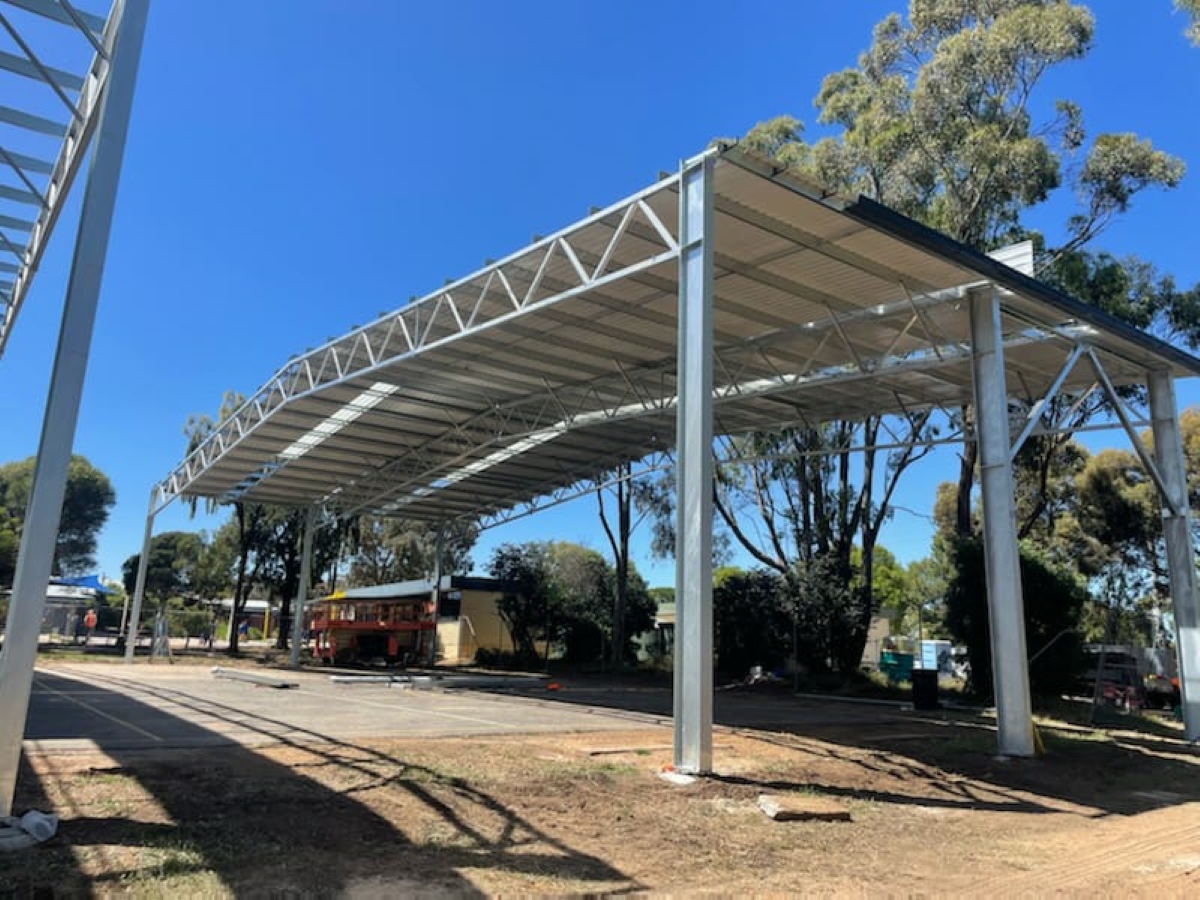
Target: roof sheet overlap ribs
(558, 363)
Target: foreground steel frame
(106, 96)
(56, 176)
(699, 387)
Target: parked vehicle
(1112, 678)
(1161, 692)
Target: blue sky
(295, 169)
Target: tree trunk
(624, 501)
(619, 541)
(291, 580)
(240, 583)
(964, 527)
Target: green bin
(925, 689)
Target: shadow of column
(214, 808)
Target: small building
(469, 618)
(67, 602)
(467, 612)
(659, 642)
(66, 605)
(879, 638)
(261, 615)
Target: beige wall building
(469, 620)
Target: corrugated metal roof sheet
(557, 363)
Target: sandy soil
(933, 813)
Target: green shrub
(1053, 603)
(506, 659)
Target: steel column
(1005, 603)
(693, 697)
(306, 546)
(439, 549)
(1181, 558)
(35, 557)
(130, 625)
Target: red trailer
(375, 630)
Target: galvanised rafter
(727, 451)
(649, 390)
(42, 185)
(519, 508)
(750, 368)
(495, 295)
(419, 473)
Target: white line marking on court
(395, 708)
(254, 717)
(97, 711)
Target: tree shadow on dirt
(197, 802)
(1140, 764)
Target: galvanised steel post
(439, 550)
(35, 556)
(1181, 557)
(306, 547)
(130, 625)
(1005, 603)
(693, 697)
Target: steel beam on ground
(1181, 555)
(693, 698)
(35, 557)
(1005, 603)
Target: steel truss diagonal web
(47, 119)
(558, 363)
(548, 273)
(732, 297)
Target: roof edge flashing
(760, 164)
(910, 231)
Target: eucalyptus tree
(807, 499)
(87, 501)
(383, 550)
(633, 502)
(939, 120)
(1192, 8)
(173, 566)
(247, 524)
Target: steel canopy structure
(726, 297)
(67, 80)
(49, 110)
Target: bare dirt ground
(933, 813)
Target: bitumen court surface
(76, 706)
(82, 705)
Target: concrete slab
(110, 706)
(802, 808)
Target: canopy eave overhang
(557, 363)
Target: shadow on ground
(1123, 766)
(241, 809)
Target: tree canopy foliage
(1054, 603)
(945, 118)
(174, 568)
(89, 497)
(387, 550)
(939, 121)
(559, 594)
(1192, 8)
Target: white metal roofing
(53, 69)
(558, 362)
